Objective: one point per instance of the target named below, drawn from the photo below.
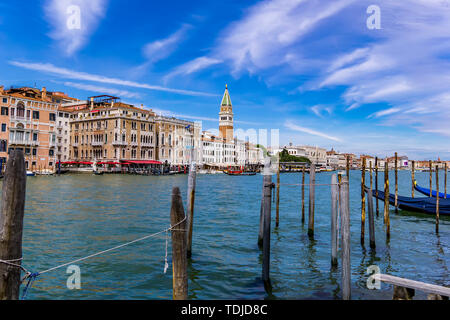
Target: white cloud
(73, 39)
(104, 90)
(192, 66)
(290, 125)
(264, 37)
(72, 74)
(162, 48)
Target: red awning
(110, 162)
(143, 162)
(85, 162)
(69, 162)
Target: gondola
(424, 205)
(426, 191)
(98, 173)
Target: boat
(424, 205)
(426, 192)
(98, 173)
(30, 173)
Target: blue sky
(312, 69)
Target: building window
(34, 152)
(3, 145)
(3, 127)
(4, 111)
(36, 115)
(51, 152)
(52, 116)
(27, 150)
(35, 136)
(5, 100)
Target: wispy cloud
(266, 35)
(59, 14)
(162, 48)
(320, 110)
(290, 125)
(104, 90)
(384, 113)
(72, 74)
(192, 66)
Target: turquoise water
(72, 216)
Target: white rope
(113, 248)
(166, 264)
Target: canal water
(72, 216)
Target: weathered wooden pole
(334, 222)
(445, 180)
(344, 209)
(277, 219)
(376, 184)
(347, 168)
(412, 178)
(371, 218)
(266, 238)
(11, 224)
(363, 198)
(386, 199)
(396, 183)
(179, 247)
(431, 178)
(312, 183)
(190, 205)
(303, 195)
(261, 219)
(437, 198)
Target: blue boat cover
(426, 191)
(425, 205)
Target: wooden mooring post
(179, 247)
(347, 168)
(11, 224)
(371, 218)
(396, 182)
(277, 218)
(267, 186)
(363, 199)
(376, 185)
(437, 198)
(431, 178)
(445, 180)
(413, 179)
(303, 195)
(190, 205)
(334, 220)
(344, 208)
(386, 200)
(312, 188)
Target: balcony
(134, 144)
(120, 143)
(23, 142)
(97, 143)
(146, 144)
(75, 145)
(20, 118)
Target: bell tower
(226, 117)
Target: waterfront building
(107, 130)
(62, 135)
(175, 139)
(28, 120)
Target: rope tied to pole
(31, 276)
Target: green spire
(226, 100)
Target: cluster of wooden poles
(339, 204)
(368, 190)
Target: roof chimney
(92, 103)
(44, 93)
(142, 106)
(2, 89)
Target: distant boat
(98, 173)
(30, 173)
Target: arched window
(20, 109)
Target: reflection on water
(72, 216)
